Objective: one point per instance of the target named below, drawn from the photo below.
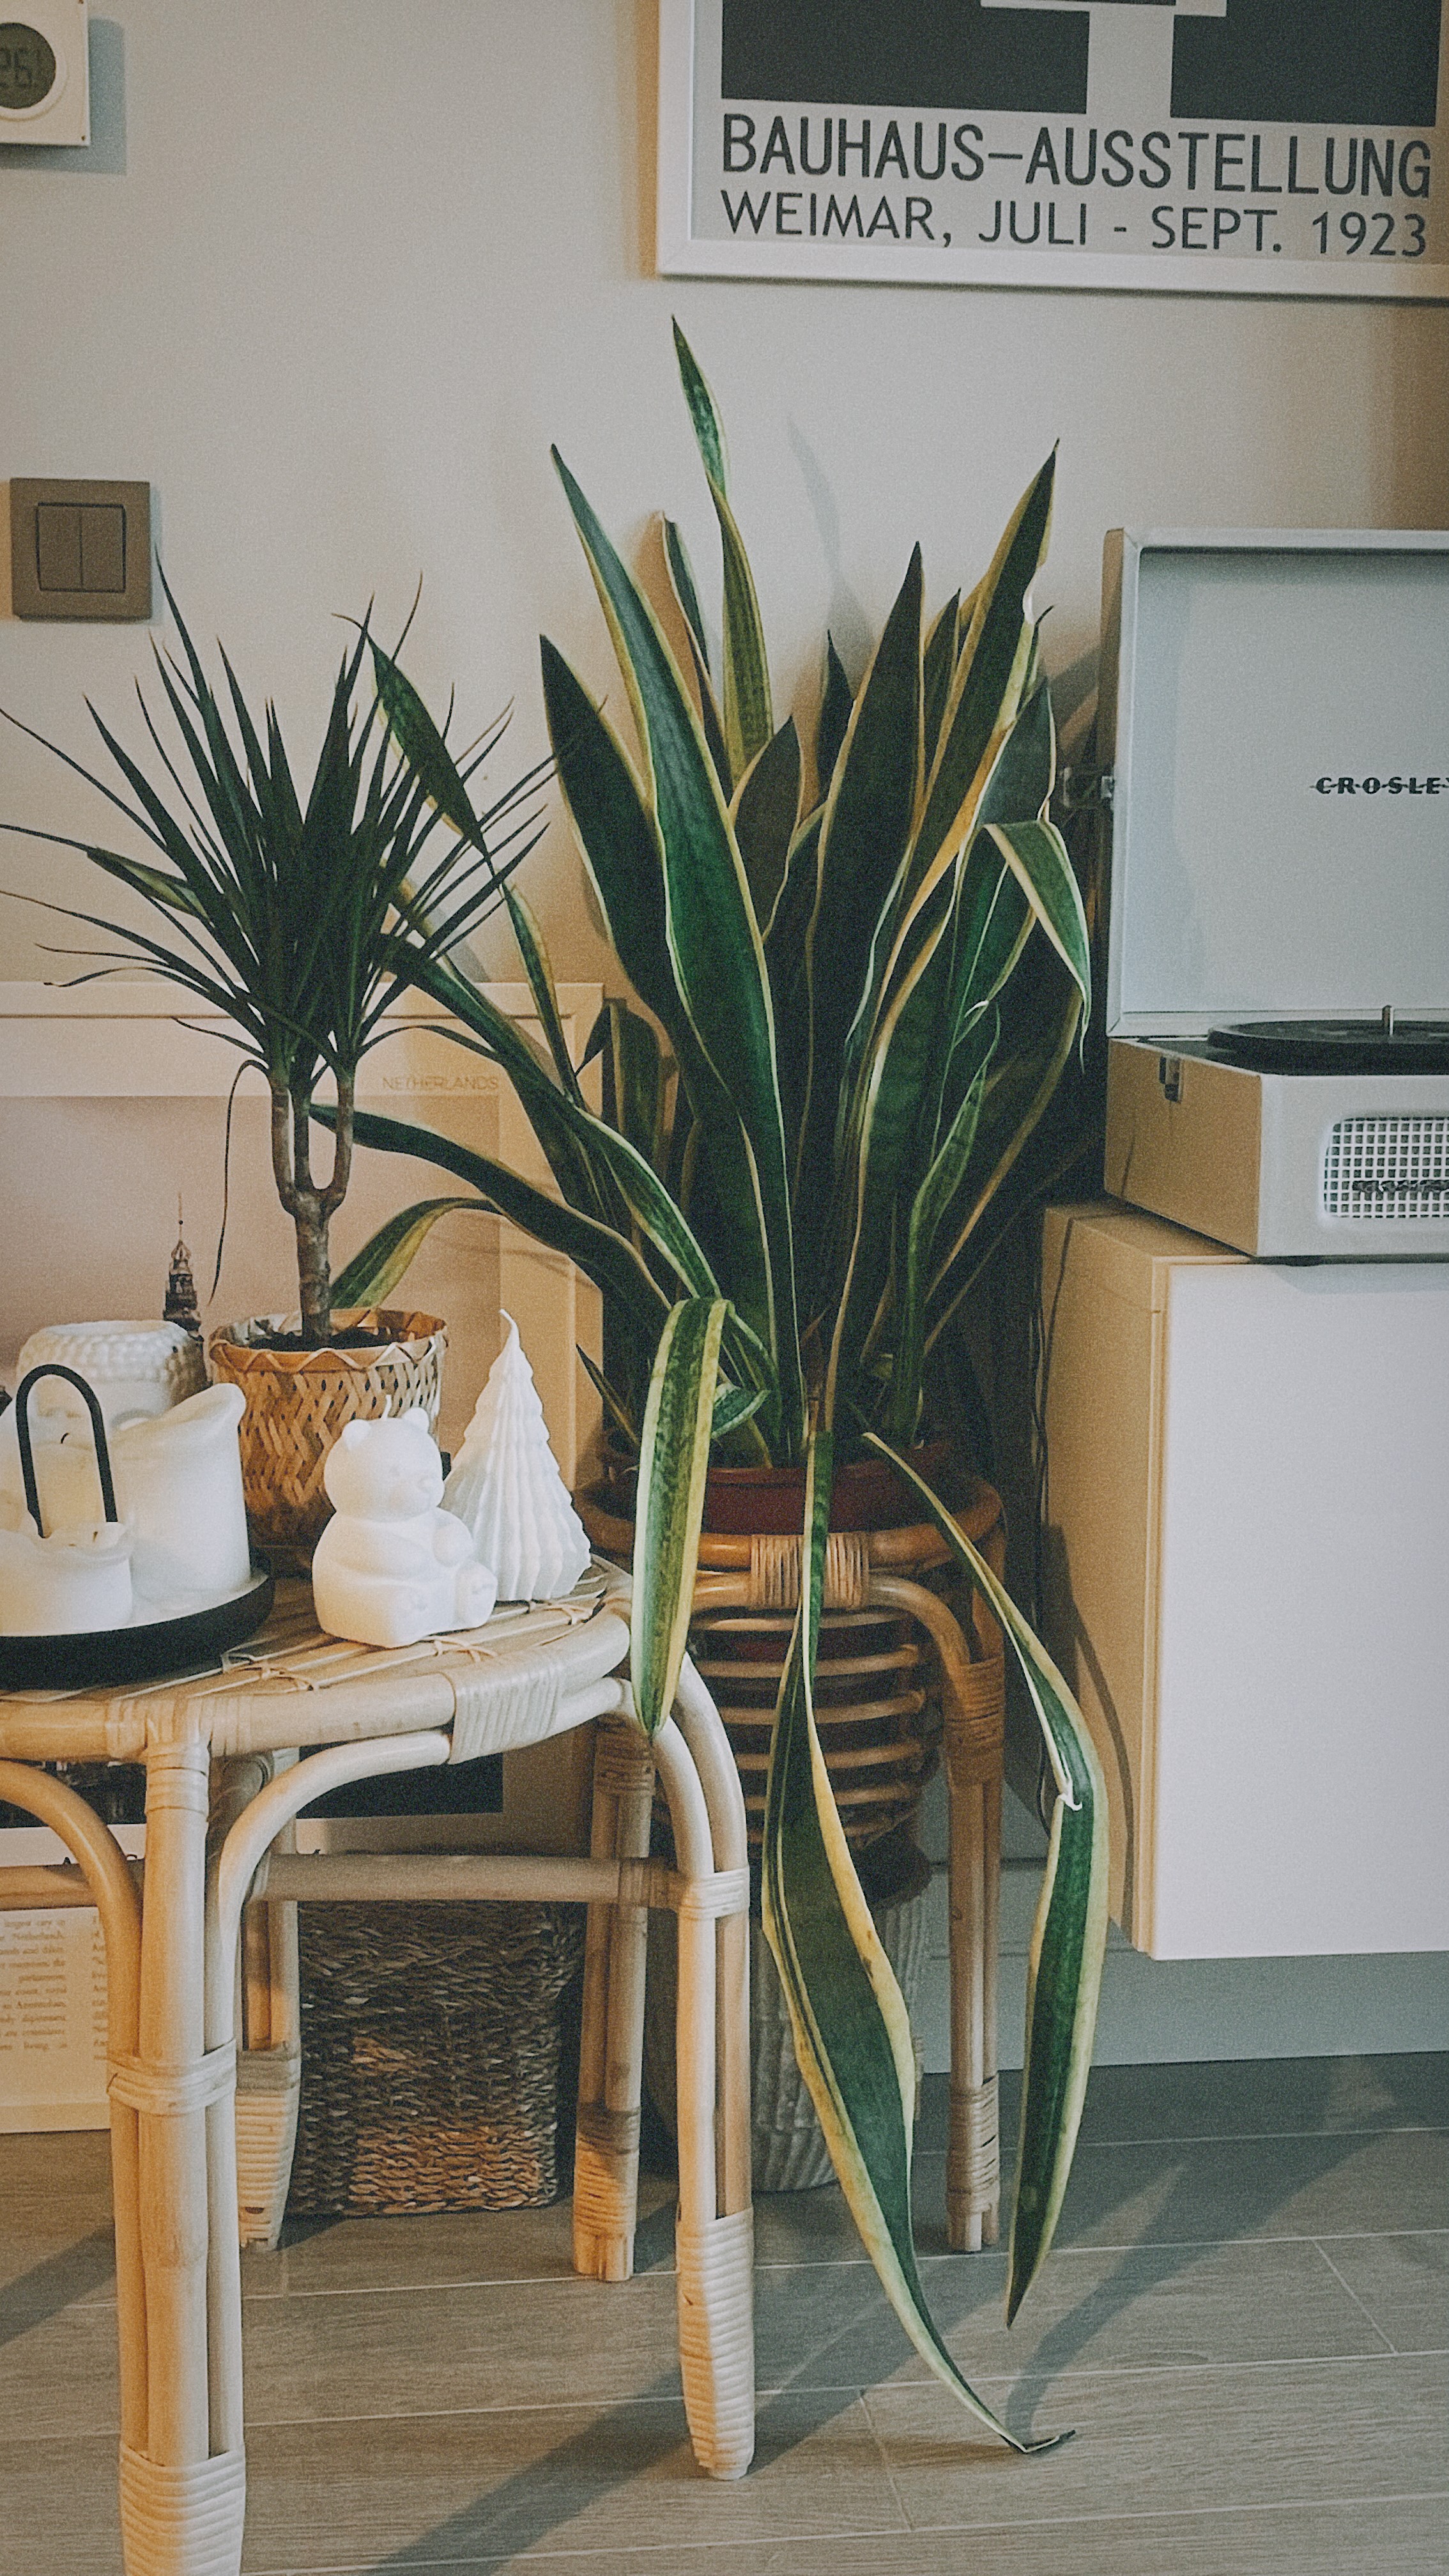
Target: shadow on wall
(91, 1188)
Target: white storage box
(1246, 1541)
(1275, 733)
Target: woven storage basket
(297, 1403)
(433, 2055)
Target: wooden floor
(1246, 2320)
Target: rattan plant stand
(227, 1770)
(753, 1582)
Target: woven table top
(290, 1685)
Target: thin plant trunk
(310, 1207)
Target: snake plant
(858, 969)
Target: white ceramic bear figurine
(390, 1567)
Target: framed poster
(1229, 147)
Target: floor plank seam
(437, 2289)
(675, 2553)
(1009, 2380)
(1370, 2503)
(883, 2456)
(1098, 2245)
(1252, 2137)
(1358, 2302)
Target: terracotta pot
(867, 1493)
(297, 1403)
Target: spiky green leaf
(748, 721)
(765, 813)
(607, 1258)
(863, 835)
(673, 1462)
(836, 700)
(718, 967)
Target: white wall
(334, 276)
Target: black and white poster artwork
(1234, 147)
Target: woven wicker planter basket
(877, 1701)
(433, 2051)
(299, 1401)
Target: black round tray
(105, 1658)
(1335, 1046)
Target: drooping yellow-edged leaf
(851, 2030)
(372, 1274)
(1064, 1973)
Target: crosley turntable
(1275, 740)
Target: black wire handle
(53, 1368)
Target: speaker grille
(1393, 1167)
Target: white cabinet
(1247, 1576)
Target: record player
(1275, 738)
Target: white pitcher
(179, 1484)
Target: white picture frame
(1259, 206)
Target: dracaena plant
(298, 917)
(854, 995)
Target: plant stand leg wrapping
(973, 1694)
(714, 2241)
(973, 1762)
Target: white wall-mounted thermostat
(45, 87)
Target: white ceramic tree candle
(507, 1487)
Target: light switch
(80, 549)
(102, 546)
(58, 546)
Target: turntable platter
(1386, 1045)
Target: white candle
(136, 1371)
(75, 1581)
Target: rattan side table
(230, 1746)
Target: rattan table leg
(182, 2500)
(113, 1891)
(269, 2067)
(269, 2059)
(606, 2155)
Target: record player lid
(1276, 707)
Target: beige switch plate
(80, 549)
